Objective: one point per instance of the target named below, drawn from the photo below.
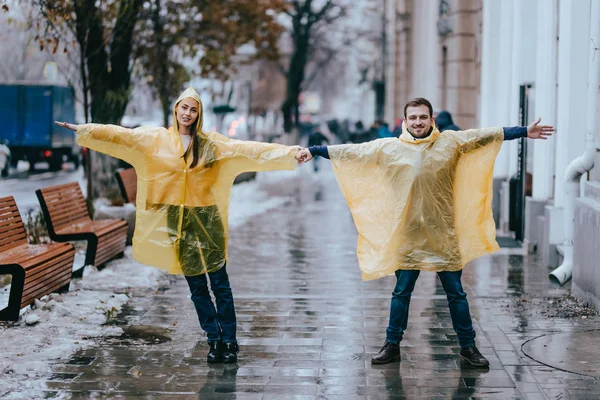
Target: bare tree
(345, 56)
(21, 60)
(307, 20)
(172, 32)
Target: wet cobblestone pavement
(308, 325)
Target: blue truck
(27, 118)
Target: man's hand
(72, 127)
(536, 131)
(304, 156)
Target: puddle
(140, 335)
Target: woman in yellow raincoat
(184, 182)
(422, 202)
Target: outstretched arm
(476, 138)
(116, 141)
(246, 156)
(533, 131)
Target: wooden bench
(127, 180)
(67, 219)
(37, 270)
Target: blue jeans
(219, 323)
(457, 301)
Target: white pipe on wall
(575, 171)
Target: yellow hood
(191, 94)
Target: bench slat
(29, 255)
(50, 269)
(12, 230)
(53, 274)
(46, 288)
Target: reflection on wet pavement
(308, 325)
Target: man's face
(418, 121)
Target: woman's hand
(72, 127)
(304, 156)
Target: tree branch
(320, 65)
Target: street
(308, 325)
(22, 184)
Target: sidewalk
(308, 325)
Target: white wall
(545, 93)
(425, 52)
(573, 51)
(496, 73)
(391, 61)
(522, 63)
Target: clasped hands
(303, 155)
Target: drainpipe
(585, 162)
(575, 170)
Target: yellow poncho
(420, 203)
(182, 213)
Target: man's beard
(423, 136)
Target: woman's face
(187, 112)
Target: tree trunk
(81, 34)
(109, 79)
(295, 77)
(166, 107)
(286, 108)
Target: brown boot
(390, 352)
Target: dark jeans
(219, 323)
(457, 301)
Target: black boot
(390, 352)
(471, 355)
(215, 353)
(230, 351)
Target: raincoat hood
(191, 94)
(420, 204)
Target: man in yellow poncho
(184, 182)
(423, 203)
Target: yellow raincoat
(422, 204)
(182, 213)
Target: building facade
(498, 63)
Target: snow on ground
(74, 320)
(247, 200)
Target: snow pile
(124, 275)
(61, 324)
